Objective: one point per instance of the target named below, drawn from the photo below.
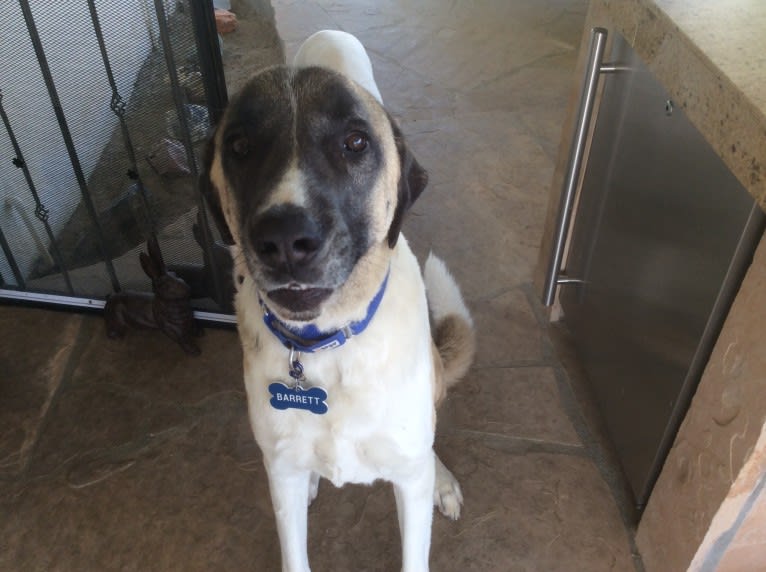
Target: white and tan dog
(310, 180)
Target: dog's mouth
(297, 298)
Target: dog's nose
(286, 237)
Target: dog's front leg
(290, 501)
(414, 505)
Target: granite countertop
(711, 57)
(732, 34)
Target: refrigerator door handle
(567, 280)
(574, 165)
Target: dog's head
(310, 177)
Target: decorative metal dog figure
(167, 309)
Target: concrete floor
(132, 456)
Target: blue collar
(309, 339)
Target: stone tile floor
(131, 456)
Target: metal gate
(105, 107)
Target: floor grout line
(521, 364)
(517, 445)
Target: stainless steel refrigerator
(662, 235)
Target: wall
(736, 539)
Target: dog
(348, 348)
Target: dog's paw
(448, 497)
(313, 487)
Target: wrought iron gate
(104, 109)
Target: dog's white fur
(340, 52)
(444, 298)
(381, 386)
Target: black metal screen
(105, 107)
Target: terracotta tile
(485, 203)
(34, 355)
(191, 504)
(146, 361)
(528, 512)
(507, 331)
(522, 403)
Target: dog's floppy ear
(211, 193)
(412, 180)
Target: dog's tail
(452, 326)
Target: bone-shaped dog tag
(311, 399)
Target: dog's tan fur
(454, 346)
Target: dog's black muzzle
(286, 241)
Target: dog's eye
(356, 142)
(240, 145)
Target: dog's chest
(378, 419)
